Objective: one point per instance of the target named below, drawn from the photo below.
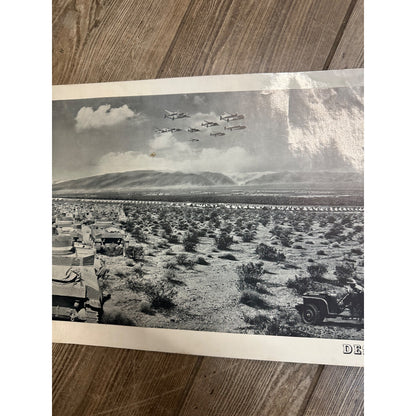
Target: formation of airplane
(209, 124)
(227, 117)
(175, 114)
(231, 117)
(231, 128)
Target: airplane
(194, 140)
(161, 130)
(167, 130)
(231, 128)
(192, 130)
(175, 114)
(217, 133)
(209, 124)
(231, 117)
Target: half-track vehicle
(76, 294)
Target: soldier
(355, 298)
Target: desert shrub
(138, 270)
(300, 284)
(345, 271)
(161, 297)
(190, 240)
(266, 252)
(249, 275)
(135, 253)
(309, 242)
(173, 239)
(298, 247)
(116, 317)
(311, 260)
(170, 265)
(202, 261)
(169, 252)
(170, 276)
(145, 307)
(317, 271)
(112, 250)
(321, 253)
(166, 227)
(260, 321)
(335, 232)
(285, 240)
(358, 228)
(286, 323)
(254, 300)
(183, 260)
(160, 294)
(288, 265)
(247, 236)
(356, 251)
(129, 263)
(228, 257)
(262, 288)
(224, 241)
(139, 235)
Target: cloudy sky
(319, 129)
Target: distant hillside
(143, 178)
(307, 177)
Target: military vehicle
(317, 306)
(76, 294)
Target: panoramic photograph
(235, 212)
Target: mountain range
(157, 179)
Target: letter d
(347, 348)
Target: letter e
(358, 349)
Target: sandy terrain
(207, 297)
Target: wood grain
(111, 381)
(350, 50)
(226, 37)
(98, 41)
(246, 387)
(339, 392)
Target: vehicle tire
(311, 314)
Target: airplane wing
(170, 112)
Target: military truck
(76, 294)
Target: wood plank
(111, 381)
(339, 392)
(350, 50)
(247, 387)
(230, 36)
(98, 41)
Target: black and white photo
(230, 211)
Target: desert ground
(227, 268)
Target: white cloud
(168, 153)
(88, 118)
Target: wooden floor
(109, 40)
